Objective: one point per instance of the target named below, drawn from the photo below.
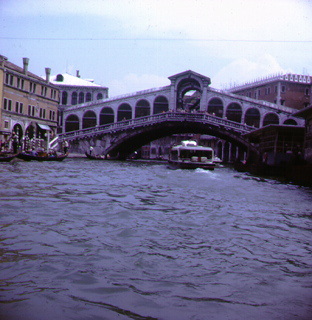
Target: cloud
(186, 19)
(134, 82)
(242, 70)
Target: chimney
(2, 59)
(48, 72)
(77, 74)
(25, 62)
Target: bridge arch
(128, 141)
(71, 123)
(89, 119)
(142, 108)
(270, 118)
(160, 105)
(188, 85)
(234, 112)
(252, 117)
(124, 112)
(290, 122)
(106, 115)
(215, 107)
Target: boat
(43, 156)
(189, 155)
(7, 157)
(94, 157)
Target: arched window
(88, 97)
(89, 119)
(81, 97)
(124, 112)
(215, 107)
(64, 97)
(252, 117)
(74, 98)
(142, 108)
(234, 112)
(106, 115)
(99, 96)
(160, 105)
(270, 118)
(71, 123)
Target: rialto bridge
(120, 125)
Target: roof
(69, 80)
(289, 77)
(303, 113)
(276, 128)
(189, 73)
(11, 66)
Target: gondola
(7, 157)
(44, 157)
(94, 157)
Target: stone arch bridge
(120, 125)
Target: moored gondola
(7, 157)
(41, 157)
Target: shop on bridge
(279, 144)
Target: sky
(133, 45)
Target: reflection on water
(128, 240)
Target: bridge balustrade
(158, 118)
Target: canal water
(87, 239)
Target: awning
(44, 127)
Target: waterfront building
(290, 90)
(29, 106)
(74, 90)
(306, 113)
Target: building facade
(290, 90)
(29, 106)
(74, 91)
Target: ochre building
(29, 106)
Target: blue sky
(131, 45)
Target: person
(66, 145)
(90, 150)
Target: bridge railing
(157, 118)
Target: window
(43, 91)
(32, 87)
(283, 88)
(307, 91)
(21, 108)
(7, 105)
(16, 106)
(6, 124)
